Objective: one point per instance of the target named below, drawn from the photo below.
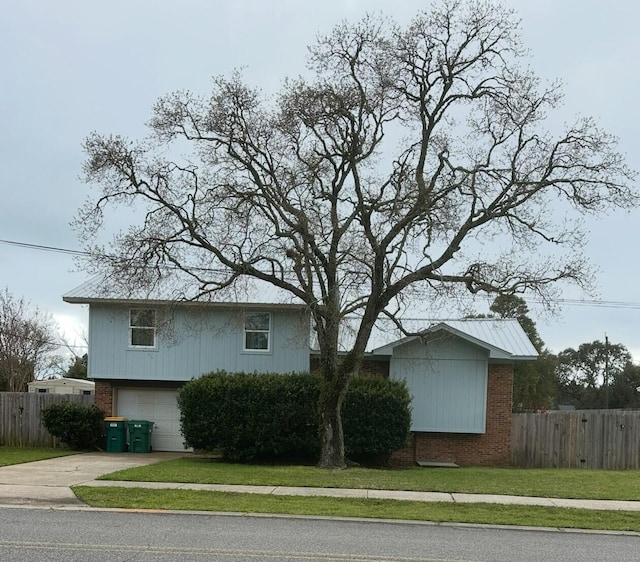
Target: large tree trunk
(332, 394)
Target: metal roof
(247, 293)
(504, 338)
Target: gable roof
(504, 338)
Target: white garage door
(158, 406)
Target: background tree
(625, 388)
(27, 341)
(534, 383)
(584, 373)
(411, 166)
(72, 365)
(77, 367)
(513, 306)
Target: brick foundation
(104, 396)
(488, 449)
(465, 449)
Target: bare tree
(27, 341)
(412, 166)
(72, 365)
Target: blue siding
(447, 380)
(191, 341)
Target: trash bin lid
(114, 418)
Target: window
(43, 390)
(256, 331)
(142, 327)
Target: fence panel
(598, 439)
(20, 417)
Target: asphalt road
(36, 535)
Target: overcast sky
(73, 67)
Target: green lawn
(19, 455)
(137, 498)
(554, 483)
(623, 485)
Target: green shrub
(78, 426)
(274, 416)
(376, 419)
(251, 416)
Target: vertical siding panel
(194, 341)
(448, 382)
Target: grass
(19, 455)
(531, 482)
(137, 498)
(553, 483)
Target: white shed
(63, 386)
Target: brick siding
(104, 396)
(488, 449)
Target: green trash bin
(116, 430)
(140, 436)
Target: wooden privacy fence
(599, 439)
(20, 417)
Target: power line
(44, 248)
(599, 303)
(570, 302)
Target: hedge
(275, 416)
(376, 418)
(79, 426)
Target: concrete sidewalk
(615, 505)
(48, 483)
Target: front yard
(553, 483)
(19, 455)
(584, 484)
(479, 513)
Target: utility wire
(44, 248)
(570, 302)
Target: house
(459, 372)
(142, 350)
(460, 375)
(63, 386)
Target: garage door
(158, 406)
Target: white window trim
(131, 328)
(245, 331)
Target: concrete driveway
(48, 482)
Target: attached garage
(157, 405)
